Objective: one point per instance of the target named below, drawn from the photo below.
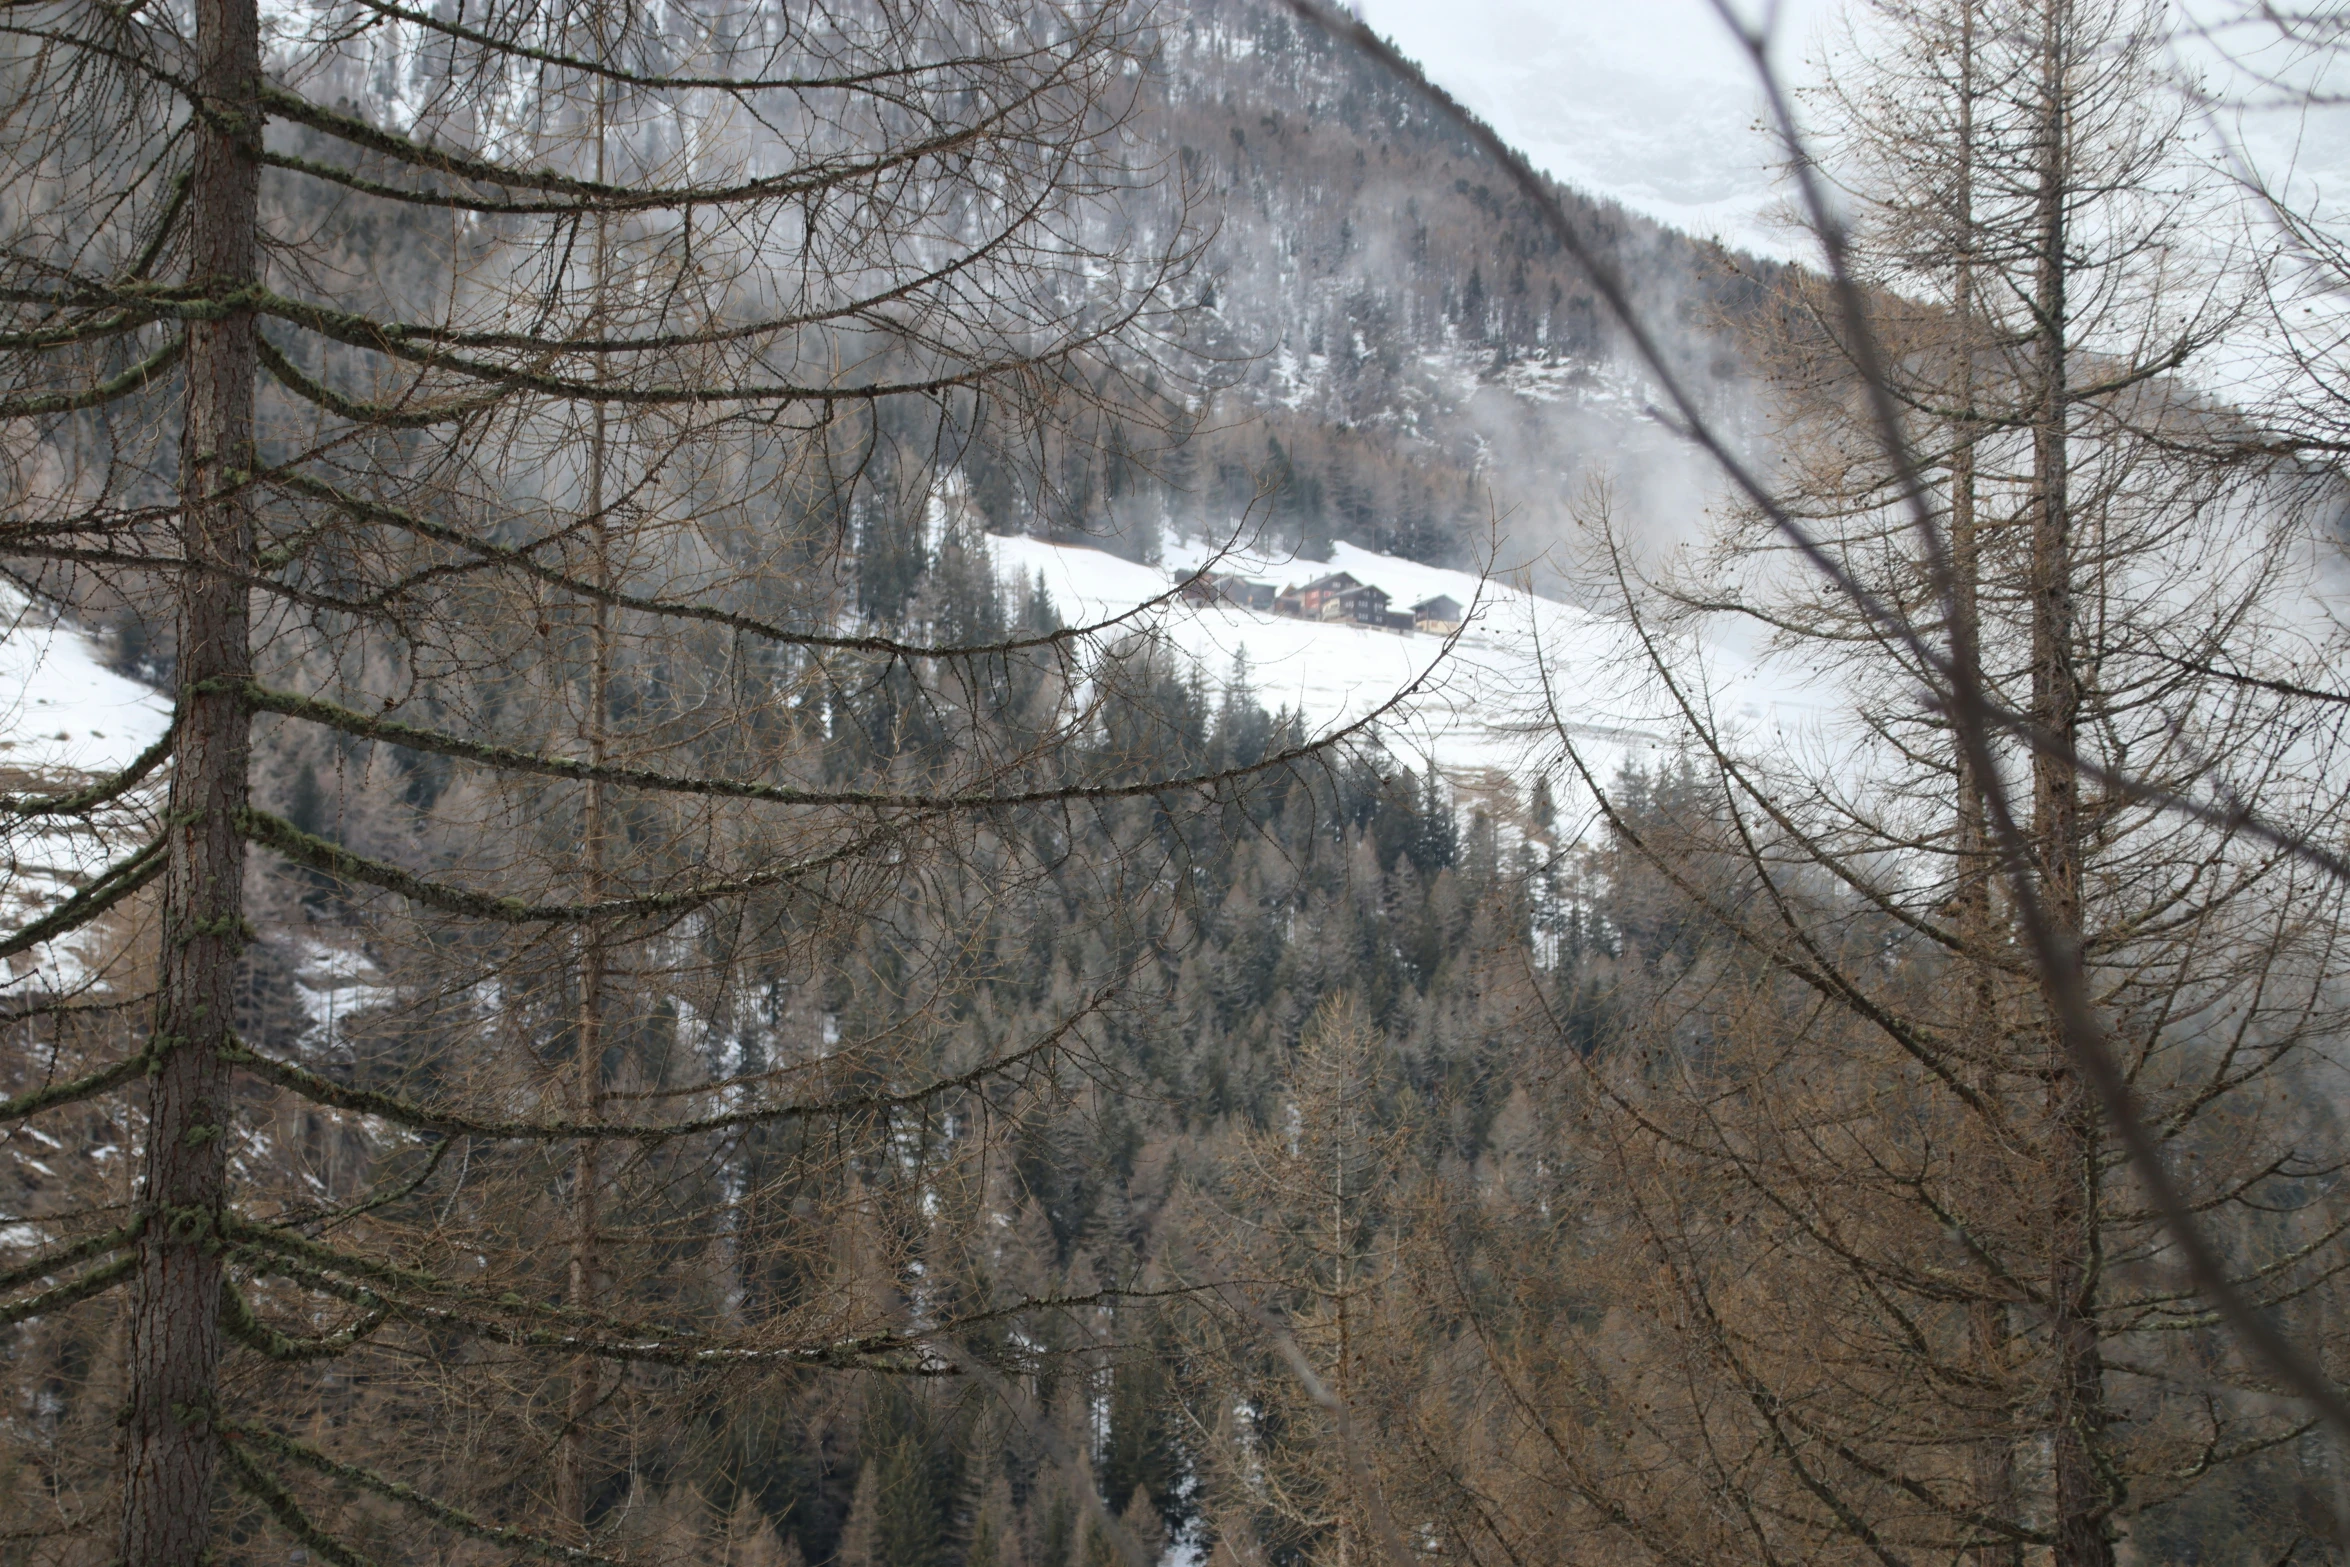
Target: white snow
(65, 719)
(61, 709)
(1485, 705)
(332, 984)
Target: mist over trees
(650, 1009)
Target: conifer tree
(1962, 1340)
(1308, 1213)
(484, 397)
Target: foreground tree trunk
(1988, 1319)
(2077, 1414)
(169, 1450)
(404, 469)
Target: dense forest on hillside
(1428, 355)
(650, 1009)
(1404, 353)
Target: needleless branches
(485, 400)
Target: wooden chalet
(1441, 614)
(1363, 604)
(1310, 602)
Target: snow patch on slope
(332, 985)
(1525, 674)
(62, 711)
(65, 720)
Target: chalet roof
(1437, 604)
(1336, 582)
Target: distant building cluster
(1336, 597)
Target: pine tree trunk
(2077, 1414)
(572, 1488)
(168, 1449)
(1987, 1318)
(587, 1176)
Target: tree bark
(1987, 1318)
(572, 1488)
(168, 1448)
(2077, 1416)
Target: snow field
(62, 711)
(65, 719)
(1486, 707)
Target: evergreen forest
(648, 1001)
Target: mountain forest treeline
(649, 1009)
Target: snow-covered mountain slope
(1525, 675)
(65, 719)
(62, 711)
(1655, 105)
